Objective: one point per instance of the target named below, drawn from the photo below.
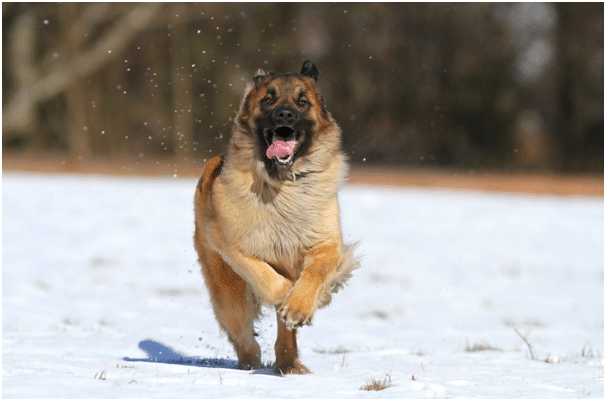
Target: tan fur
(267, 240)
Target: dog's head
(284, 112)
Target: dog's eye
(269, 100)
(302, 102)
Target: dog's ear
(260, 74)
(309, 69)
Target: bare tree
(34, 86)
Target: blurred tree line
(511, 86)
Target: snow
(102, 297)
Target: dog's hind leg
(287, 356)
(234, 304)
(236, 309)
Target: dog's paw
(296, 311)
(297, 368)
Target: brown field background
(531, 183)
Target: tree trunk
(181, 82)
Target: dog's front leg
(269, 286)
(321, 263)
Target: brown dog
(267, 217)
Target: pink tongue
(280, 149)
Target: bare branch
(18, 110)
(527, 343)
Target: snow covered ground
(102, 297)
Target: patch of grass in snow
(419, 352)
(529, 323)
(480, 347)
(586, 354)
(373, 384)
(335, 351)
(102, 375)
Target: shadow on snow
(160, 353)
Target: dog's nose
(285, 115)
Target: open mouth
(282, 144)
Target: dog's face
(284, 112)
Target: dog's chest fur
(278, 224)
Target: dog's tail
(347, 264)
